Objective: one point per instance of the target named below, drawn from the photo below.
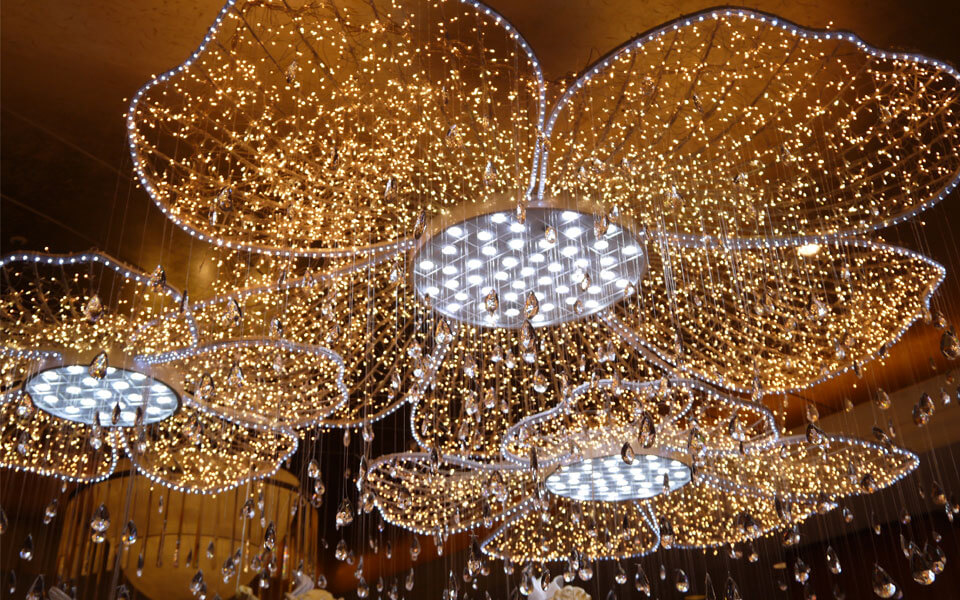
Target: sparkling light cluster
(328, 129)
(401, 220)
(71, 419)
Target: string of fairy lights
(578, 305)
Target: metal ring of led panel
(69, 392)
(459, 266)
(610, 479)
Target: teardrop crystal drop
(815, 435)
(920, 568)
(491, 302)
(539, 382)
(883, 585)
(731, 591)
(812, 414)
(621, 576)
(801, 571)
(443, 334)
(627, 454)
(158, 278)
(26, 550)
(531, 307)
(470, 366)
(129, 534)
(100, 521)
(50, 512)
(680, 581)
(833, 561)
(206, 388)
(98, 366)
(420, 225)
(93, 309)
(415, 548)
(648, 433)
(950, 344)
(640, 581)
(882, 399)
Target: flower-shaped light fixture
(686, 188)
(694, 205)
(621, 468)
(79, 386)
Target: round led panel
(70, 393)
(549, 255)
(609, 479)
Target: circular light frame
(69, 392)
(458, 266)
(610, 479)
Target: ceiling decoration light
(563, 295)
(714, 474)
(433, 494)
(611, 479)
(61, 308)
(805, 146)
(71, 393)
(556, 278)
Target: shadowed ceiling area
(67, 73)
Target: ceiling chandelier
(619, 468)
(585, 294)
(78, 392)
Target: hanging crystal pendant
(98, 366)
(420, 225)
(882, 399)
(640, 581)
(93, 309)
(25, 406)
(531, 307)
(680, 581)
(49, 513)
(158, 279)
(26, 550)
(833, 561)
(128, 536)
(883, 584)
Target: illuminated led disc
(459, 266)
(71, 393)
(609, 479)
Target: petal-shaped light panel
(775, 319)
(702, 515)
(270, 382)
(361, 316)
(735, 124)
(796, 469)
(198, 452)
(66, 309)
(595, 530)
(327, 128)
(41, 443)
(598, 419)
(429, 494)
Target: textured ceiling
(68, 68)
